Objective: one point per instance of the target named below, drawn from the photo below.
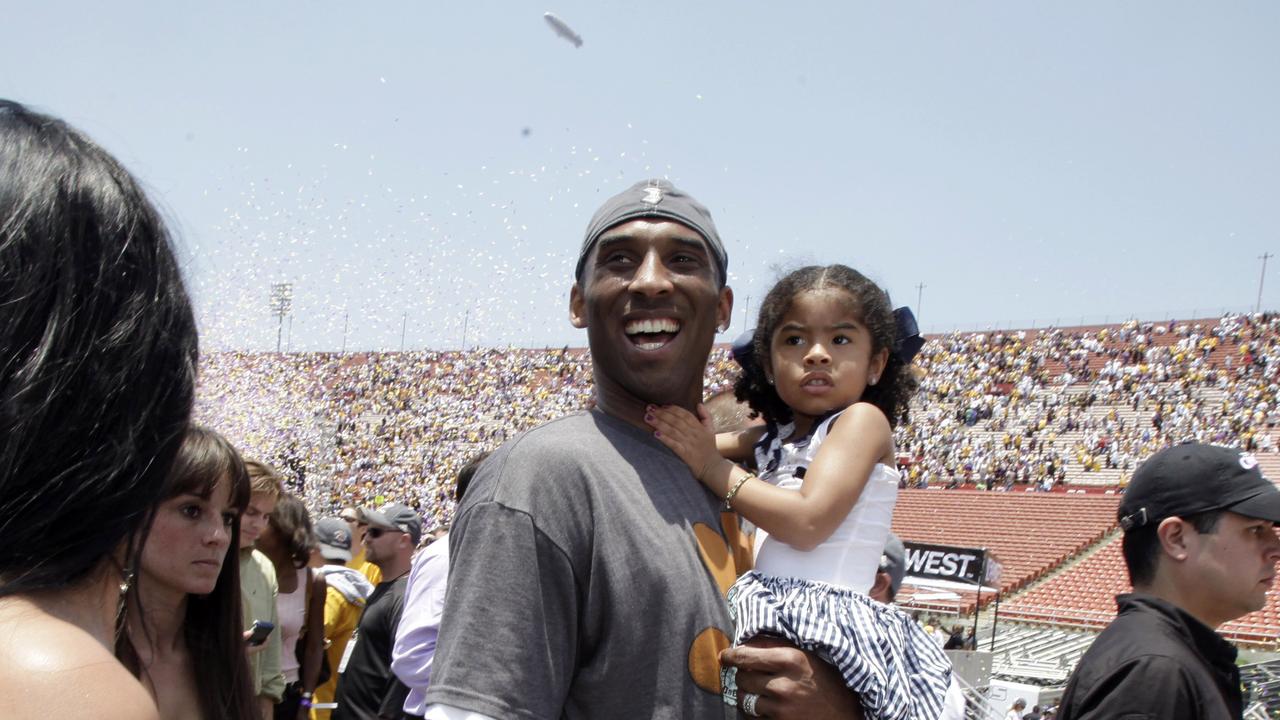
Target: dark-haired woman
(183, 634)
(97, 373)
(288, 541)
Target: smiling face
(1233, 566)
(821, 357)
(650, 301)
(188, 541)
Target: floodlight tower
(281, 305)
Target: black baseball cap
(1193, 478)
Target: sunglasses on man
(375, 532)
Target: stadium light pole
(344, 332)
(919, 300)
(746, 315)
(404, 325)
(466, 318)
(1263, 257)
(281, 305)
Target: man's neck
(632, 410)
(1172, 592)
(395, 567)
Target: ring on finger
(749, 700)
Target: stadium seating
(1083, 595)
(1030, 533)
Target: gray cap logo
(652, 195)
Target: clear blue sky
(1027, 162)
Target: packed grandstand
(1020, 443)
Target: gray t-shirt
(587, 579)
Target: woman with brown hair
(184, 637)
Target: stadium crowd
(996, 410)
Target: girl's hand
(691, 438)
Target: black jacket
(1154, 661)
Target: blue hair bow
(909, 340)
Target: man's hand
(791, 683)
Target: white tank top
(292, 608)
(849, 558)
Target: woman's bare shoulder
(54, 669)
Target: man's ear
(1173, 534)
(881, 589)
(724, 308)
(577, 307)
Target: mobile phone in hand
(259, 631)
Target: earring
(126, 582)
(874, 379)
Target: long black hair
(892, 393)
(98, 362)
(213, 626)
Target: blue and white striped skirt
(897, 670)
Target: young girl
(827, 374)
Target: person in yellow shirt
(354, 517)
(344, 602)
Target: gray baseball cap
(334, 537)
(655, 198)
(893, 560)
(398, 517)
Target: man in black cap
(1201, 548)
(587, 565)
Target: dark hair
(213, 627)
(99, 343)
(292, 523)
(897, 383)
(1141, 546)
(467, 472)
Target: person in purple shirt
(415, 644)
